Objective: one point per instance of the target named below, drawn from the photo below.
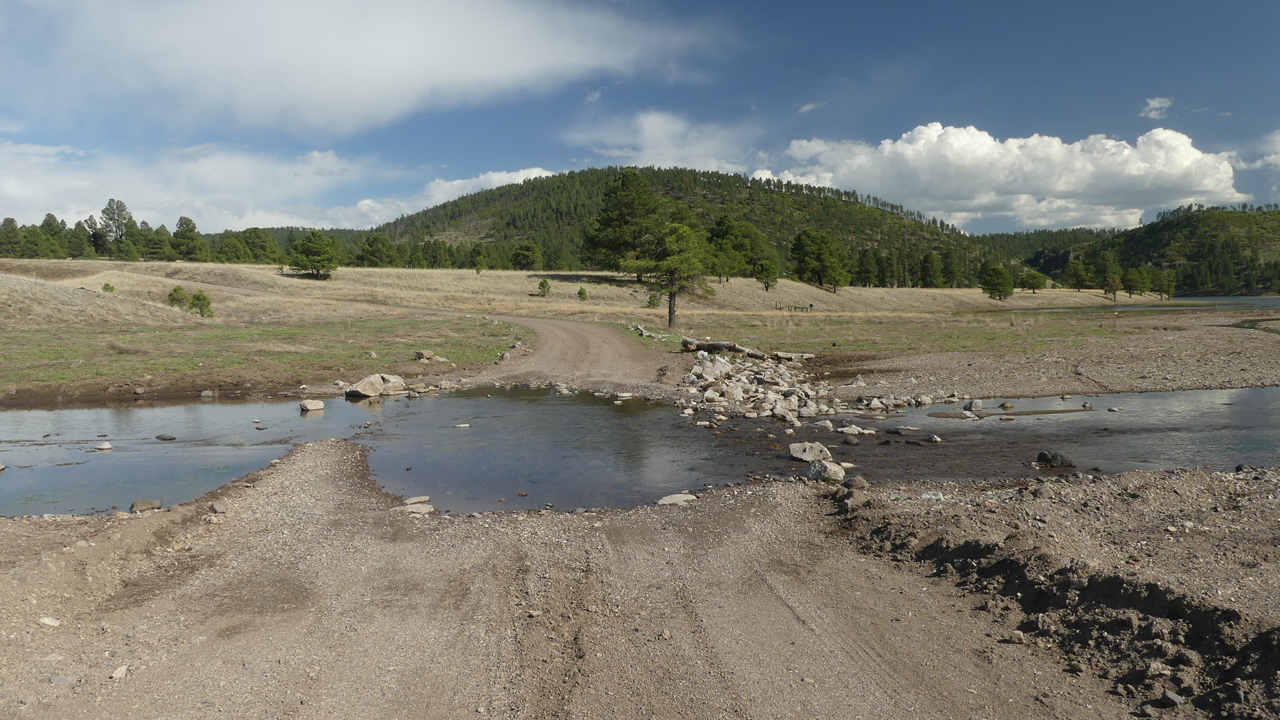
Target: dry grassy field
(59, 325)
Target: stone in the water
(371, 386)
(311, 405)
(1087, 406)
(144, 505)
(822, 470)
(973, 405)
(809, 452)
(463, 425)
(679, 499)
(165, 437)
(103, 446)
(417, 499)
(206, 393)
(1054, 459)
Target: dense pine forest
(548, 223)
(1204, 250)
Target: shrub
(582, 294)
(178, 297)
(544, 288)
(200, 304)
(653, 300)
(108, 288)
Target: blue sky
(995, 115)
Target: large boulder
(973, 405)
(311, 405)
(368, 387)
(808, 452)
(822, 470)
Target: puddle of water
(1259, 302)
(570, 451)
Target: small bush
(178, 297)
(200, 304)
(544, 288)
(108, 288)
(653, 300)
(582, 294)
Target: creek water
(586, 451)
(567, 450)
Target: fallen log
(694, 344)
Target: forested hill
(1211, 251)
(555, 211)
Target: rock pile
(756, 389)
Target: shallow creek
(588, 451)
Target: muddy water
(569, 451)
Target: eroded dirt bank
(311, 597)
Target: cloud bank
(962, 174)
(331, 67)
(219, 188)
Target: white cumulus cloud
(220, 188)
(665, 139)
(1157, 108)
(312, 66)
(965, 173)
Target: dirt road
(311, 597)
(589, 356)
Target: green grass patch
(62, 355)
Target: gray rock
(1087, 406)
(218, 507)
(822, 470)
(423, 354)
(679, 499)
(1054, 459)
(416, 509)
(311, 405)
(64, 680)
(104, 446)
(973, 405)
(825, 424)
(417, 499)
(165, 437)
(144, 505)
(120, 673)
(1, 467)
(369, 387)
(206, 393)
(933, 495)
(857, 482)
(809, 452)
(1173, 699)
(850, 440)
(505, 356)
